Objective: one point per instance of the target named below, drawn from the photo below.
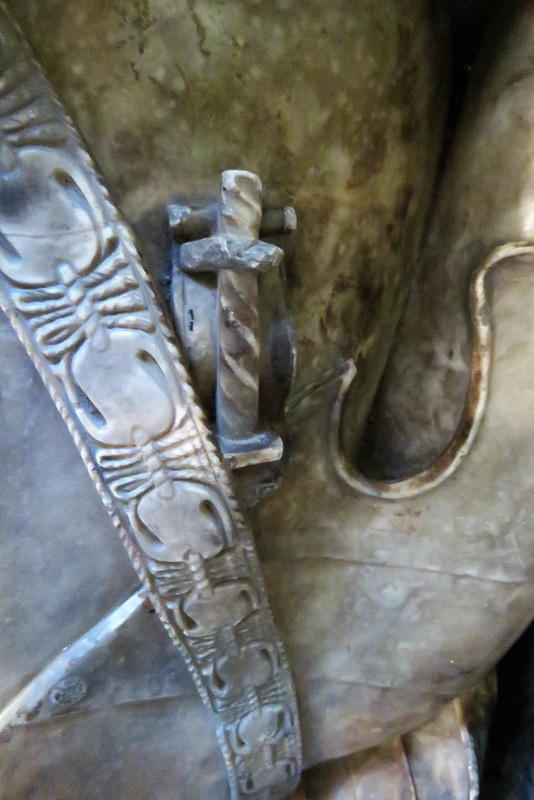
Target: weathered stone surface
(425, 593)
(340, 114)
(120, 752)
(485, 199)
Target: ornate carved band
(75, 291)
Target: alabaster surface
(442, 582)
(485, 199)
(387, 610)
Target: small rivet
(68, 691)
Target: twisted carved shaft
(238, 362)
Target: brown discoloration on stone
(316, 104)
(135, 20)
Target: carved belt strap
(75, 291)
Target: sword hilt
(235, 253)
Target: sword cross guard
(235, 253)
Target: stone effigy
(387, 610)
